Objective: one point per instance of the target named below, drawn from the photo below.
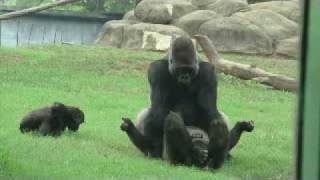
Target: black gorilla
(183, 94)
(179, 136)
(52, 120)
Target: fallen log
(244, 71)
(23, 12)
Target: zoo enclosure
(52, 28)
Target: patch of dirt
(137, 65)
(11, 58)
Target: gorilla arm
(150, 141)
(159, 80)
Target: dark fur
(181, 83)
(52, 120)
(189, 144)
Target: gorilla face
(77, 118)
(183, 61)
(184, 75)
(77, 115)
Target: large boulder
(112, 32)
(289, 9)
(130, 16)
(288, 47)
(275, 25)
(162, 12)
(150, 36)
(228, 7)
(235, 34)
(202, 3)
(191, 22)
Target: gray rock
(228, 7)
(235, 34)
(130, 16)
(112, 32)
(162, 12)
(202, 3)
(289, 9)
(288, 47)
(150, 36)
(192, 22)
(275, 25)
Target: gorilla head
(183, 60)
(77, 118)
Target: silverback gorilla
(52, 120)
(183, 101)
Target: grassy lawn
(111, 83)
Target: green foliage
(110, 83)
(109, 5)
(94, 5)
(99, 6)
(7, 3)
(119, 5)
(30, 3)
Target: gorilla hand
(126, 125)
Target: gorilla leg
(30, 123)
(34, 119)
(147, 144)
(178, 147)
(237, 130)
(218, 144)
(45, 129)
(136, 137)
(50, 128)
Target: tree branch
(244, 71)
(23, 12)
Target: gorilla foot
(247, 126)
(126, 125)
(228, 156)
(216, 163)
(200, 156)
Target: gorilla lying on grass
(52, 120)
(183, 101)
(197, 139)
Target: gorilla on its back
(183, 94)
(52, 120)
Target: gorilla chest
(187, 108)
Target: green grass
(111, 83)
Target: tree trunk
(243, 71)
(23, 12)
(100, 6)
